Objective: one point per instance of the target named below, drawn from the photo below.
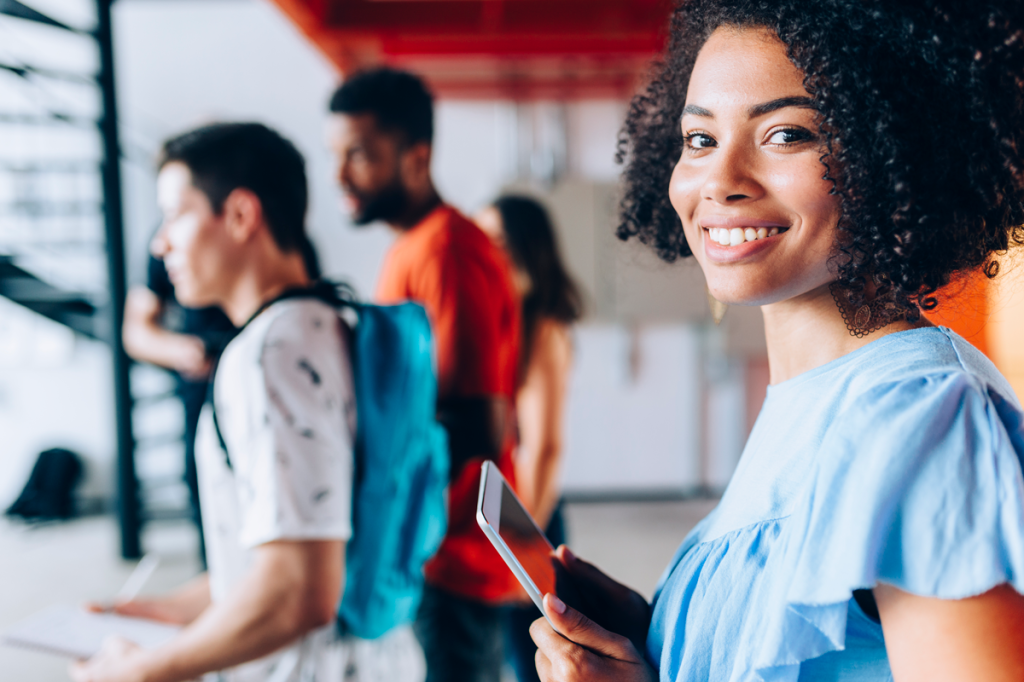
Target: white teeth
(739, 235)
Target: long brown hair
(531, 243)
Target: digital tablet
(515, 535)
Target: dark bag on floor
(48, 493)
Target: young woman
(836, 162)
(551, 303)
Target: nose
(731, 176)
(159, 246)
(343, 172)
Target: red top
(447, 264)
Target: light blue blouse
(898, 463)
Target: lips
(738, 235)
(735, 239)
(731, 231)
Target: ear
(243, 215)
(416, 163)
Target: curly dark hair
(922, 113)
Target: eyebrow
(758, 109)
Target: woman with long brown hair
(551, 303)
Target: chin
(191, 297)
(741, 295)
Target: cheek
(684, 194)
(194, 251)
(807, 194)
(182, 236)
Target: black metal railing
(55, 221)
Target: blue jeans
(461, 638)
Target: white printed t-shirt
(286, 410)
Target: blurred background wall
(661, 400)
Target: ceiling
(515, 49)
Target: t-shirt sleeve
(296, 483)
(435, 284)
(919, 485)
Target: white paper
(71, 631)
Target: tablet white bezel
(488, 515)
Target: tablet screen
(527, 543)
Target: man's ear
(243, 215)
(416, 163)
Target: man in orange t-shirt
(381, 132)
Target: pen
(143, 570)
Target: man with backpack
(381, 131)
(278, 451)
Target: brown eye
(788, 136)
(699, 141)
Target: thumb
(580, 630)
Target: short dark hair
(223, 157)
(399, 101)
(922, 107)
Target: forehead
(743, 66)
(173, 182)
(350, 128)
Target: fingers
(580, 630)
(557, 659)
(149, 610)
(96, 607)
(542, 662)
(78, 672)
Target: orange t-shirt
(448, 265)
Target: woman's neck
(808, 331)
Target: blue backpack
(401, 463)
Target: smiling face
(368, 168)
(748, 187)
(192, 240)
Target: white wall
(633, 414)
(55, 391)
(181, 63)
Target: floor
(76, 562)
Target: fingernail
(569, 555)
(557, 604)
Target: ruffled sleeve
(919, 486)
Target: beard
(386, 204)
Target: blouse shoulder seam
(956, 351)
(735, 531)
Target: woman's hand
(587, 652)
(607, 643)
(607, 603)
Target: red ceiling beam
(493, 48)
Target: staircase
(61, 232)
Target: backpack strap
(216, 422)
(335, 294)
